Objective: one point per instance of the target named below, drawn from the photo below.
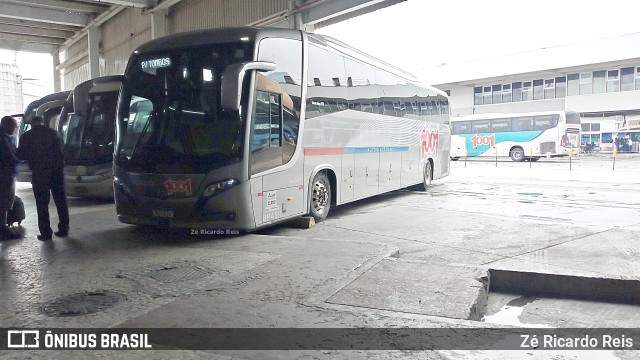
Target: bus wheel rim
(427, 174)
(320, 196)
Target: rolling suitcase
(16, 214)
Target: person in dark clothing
(8, 171)
(42, 149)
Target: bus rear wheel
(427, 177)
(320, 197)
(517, 154)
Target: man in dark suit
(42, 148)
(8, 172)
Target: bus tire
(320, 197)
(517, 154)
(427, 176)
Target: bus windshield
(170, 120)
(91, 141)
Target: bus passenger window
(501, 125)
(481, 126)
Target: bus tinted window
(522, 123)
(500, 125)
(481, 126)
(460, 127)
(543, 122)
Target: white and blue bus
(519, 135)
(241, 128)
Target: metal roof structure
(47, 25)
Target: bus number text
(483, 140)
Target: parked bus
(49, 108)
(518, 135)
(87, 127)
(241, 128)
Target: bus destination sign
(156, 63)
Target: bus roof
(213, 36)
(506, 115)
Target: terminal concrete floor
(495, 244)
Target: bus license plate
(163, 213)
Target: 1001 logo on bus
(429, 140)
(483, 140)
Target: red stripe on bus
(323, 151)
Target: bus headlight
(218, 187)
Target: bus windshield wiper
(136, 147)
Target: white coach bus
(241, 128)
(518, 135)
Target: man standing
(42, 148)
(8, 171)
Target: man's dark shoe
(62, 233)
(44, 238)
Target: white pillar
(93, 36)
(159, 23)
(56, 72)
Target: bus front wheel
(320, 197)
(517, 154)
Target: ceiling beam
(63, 5)
(163, 5)
(135, 3)
(37, 24)
(17, 45)
(315, 12)
(16, 29)
(32, 39)
(43, 15)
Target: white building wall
(10, 89)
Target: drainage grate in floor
(171, 274)
(82, 303)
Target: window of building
(561, 87)
(537, 89)
(599, 81)
(573, 84)
(496, 91)
(626, 79)
(638, 78)
(586, 83)
(486, 95)
(595, 126)
(613, 80)
(506, 93)
(527, 91)
(585, 127)
(477, 95)
(516, 91)
(549, 89)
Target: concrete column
(56, 72)
(93, 36)
(159, 23)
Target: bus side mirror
(232, 79)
